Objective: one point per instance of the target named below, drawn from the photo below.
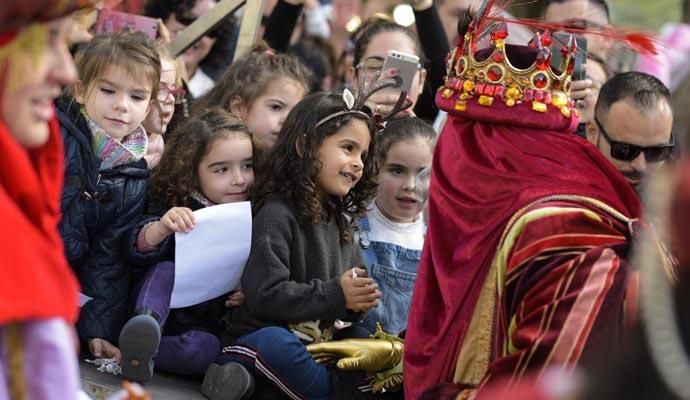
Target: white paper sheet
(83, 299)
(209, 260)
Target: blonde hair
(164, 52)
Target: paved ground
(100, 385)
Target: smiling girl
(208, 161)
(303, 271)
(106, 178)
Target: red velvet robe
(490, 164)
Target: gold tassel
(15, 356)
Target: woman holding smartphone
(429, 43)
(371, 49)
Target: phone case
(402, 65)
(115, 21)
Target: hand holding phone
(402, 67)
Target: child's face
(226, 173)
(157, 120)
(397, 196)
(28, 107)
(342, 156)
(117, 101)
(265, 116)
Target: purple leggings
(192, 351)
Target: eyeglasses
(165, 90)
(370, 65)
(628, 152)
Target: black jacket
(98, 209)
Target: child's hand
(101, 348)
(178, 219)
(235, 298)
(361, 293)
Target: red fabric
(489, 163)
(35, 279)
(7, 37)
(16, 14)
(564, 292)
(680, 230)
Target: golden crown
(495, 78)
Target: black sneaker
(139, 340)
(229, 381)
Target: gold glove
(370, 355)
(380, 357)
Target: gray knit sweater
(293, 272)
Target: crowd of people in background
(447, 242)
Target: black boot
(229, 381)
(139, 340)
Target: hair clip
(358, 105)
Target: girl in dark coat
(106, 178)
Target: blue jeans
(394, 269)
(278, 355)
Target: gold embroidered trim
(474, 352)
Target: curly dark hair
(175, 178)
(289, 176)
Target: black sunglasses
(628, 152)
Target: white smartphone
(401, 65)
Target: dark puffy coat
(98, 208)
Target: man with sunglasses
(632, 125)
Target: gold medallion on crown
(495, 79)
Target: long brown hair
(290, 176)
(175, 178)
(249, 77)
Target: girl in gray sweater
(304, 277)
